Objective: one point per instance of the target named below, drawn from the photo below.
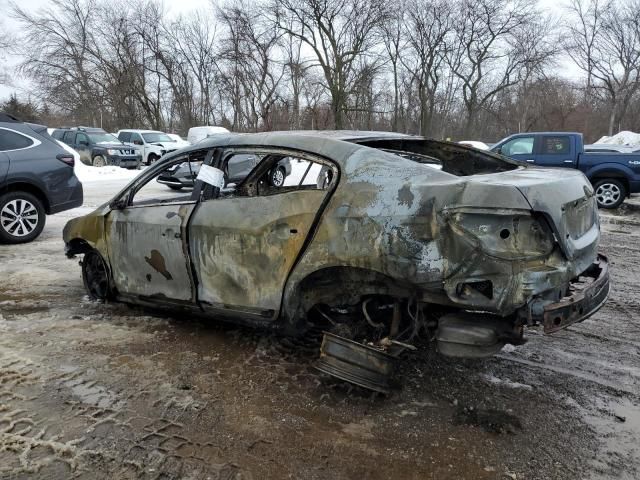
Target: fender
(609, 168)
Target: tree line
(474, 69)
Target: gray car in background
(36, 179)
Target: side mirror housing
(118, 204)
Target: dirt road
(107, 391)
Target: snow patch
(505, 382)
(622, 138)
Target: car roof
(6, 118)
(338, 145)
(139, 131)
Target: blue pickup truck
(614, 176)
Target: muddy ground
(97, 391)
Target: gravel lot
(108, 391)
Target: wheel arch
(29, 188)
(339, 285)
(614, 174)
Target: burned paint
(156, 260)
(405, 196)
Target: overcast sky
(184, 6)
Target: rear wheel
(99, 161)
(610, 193)
(95, 276)
(22, 217)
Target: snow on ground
(622, 138)
(85, 173)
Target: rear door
(4, 166)
(245, 241)
(83, 146)
(556, 151)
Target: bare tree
(487, 56)
(338, 32)
(606, 46)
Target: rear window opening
(451, 158)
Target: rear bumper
(587, 294)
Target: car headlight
(506, 236)
(112, 151)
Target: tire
(278, 176)
(95, 276)
(152, 158)
(99, 161)
(610, 193)
(22, 217)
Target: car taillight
(66, 158)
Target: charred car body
(378, 239)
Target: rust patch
(156, 260)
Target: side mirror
(84, 143)
(118, 204)
(498, 150)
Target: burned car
(378, 240)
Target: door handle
(284, 231)
(530, 160)
(568, 161)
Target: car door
(136, 139)
(556, 151)
(82, 145)
(244, 243)
(147, 239)
(520, 148)
(4, 165)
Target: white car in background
(180, 142)
(153, 144)
(200, 133)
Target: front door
(244, 243)
(147, 240)
(556, 151)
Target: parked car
(184, 174)
(371, 244)
(36, 179)
(180, 142)
(152, 144)
(197, 134)
(99, 148)
(614, 176)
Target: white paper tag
(211, 175)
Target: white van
(199, 133)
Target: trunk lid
(565, 197)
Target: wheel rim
(278, 178)
(95, 276)
(608, 194)
(98, 162)
(19, 217)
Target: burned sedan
(378, 240)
